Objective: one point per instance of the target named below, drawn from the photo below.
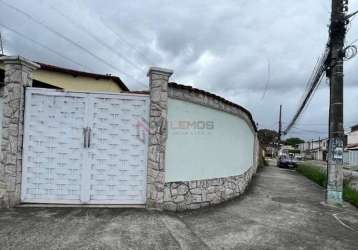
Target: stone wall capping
(160, 71)
(202, 97)
(19, 60)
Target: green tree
(267, 137)
(294, 141)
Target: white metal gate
(84, 148)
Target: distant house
(352, 147)
(55, 77)
(50, 76)
(314, 149)
(286, 150)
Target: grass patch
(315, 174)
(350, 195)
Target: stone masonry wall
(157, 136)
(180, 196)
(18, 75)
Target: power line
(124, 41)
(94, 37)
(313, 83)
(69, 40)
(309, 130)
(268, 78)
(44, 46)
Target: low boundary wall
(194, 194)
(179, 196)
(160, 194)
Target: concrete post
(337, 29)
(18, 75)
(158, 84)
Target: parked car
(284, 161)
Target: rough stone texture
(157, 136)
(179, 196)
(18, 75)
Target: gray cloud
(220, 46)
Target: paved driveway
(281, 210)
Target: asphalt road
(281, 210)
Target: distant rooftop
(73, 72)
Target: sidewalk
(281, 210)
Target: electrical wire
(268, 78)
(94, 37)
(313, 83)
(125, 42)
(45, 47)
(69, 40)
(309, 131)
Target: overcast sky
(258, 54)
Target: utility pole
(1, 45)
(279, 130)
(337, 34)
(319, 149)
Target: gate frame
(84, 94)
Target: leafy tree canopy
(267, 137)
(293, 141)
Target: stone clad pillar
(158, 84)
(18, 75)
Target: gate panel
(118, 149)
(53, 147)
(84, 148)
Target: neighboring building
(352, 147)
(314, 149)
(286, 150)
(270, 151)
(50, 76)
(55, 77)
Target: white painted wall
(226, 149)
(352, 138)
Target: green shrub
(350, 194)
(315, 174)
